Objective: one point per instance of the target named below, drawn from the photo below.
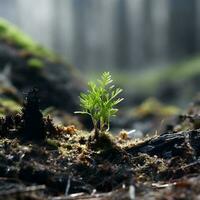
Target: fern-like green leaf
(100, 100)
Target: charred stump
(32, 118)
(170, 145)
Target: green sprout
(99, 102)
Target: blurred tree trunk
(8, 10)
(122, 39)
(36, 20)
(136, 24)
(182, 28)
(160, 29)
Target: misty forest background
(127, 36)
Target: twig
(68, 186)
(23, 190)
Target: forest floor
(41, 160)
(73, 164)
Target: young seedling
(99, 102)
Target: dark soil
(54, 78)
(67, 161)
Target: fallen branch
(169, 145)
(22, 190)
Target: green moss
(104, 142)
(8, 106)
(153, 107)
(53, 143)
(35, 63)
(184, 70)
(149, 80)
(13, 35)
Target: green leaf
(100, 99)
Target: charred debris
(30, 123)
(59, 160)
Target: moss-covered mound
(152, 106)
(13, 35)
(174, 84)
(25, 64)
